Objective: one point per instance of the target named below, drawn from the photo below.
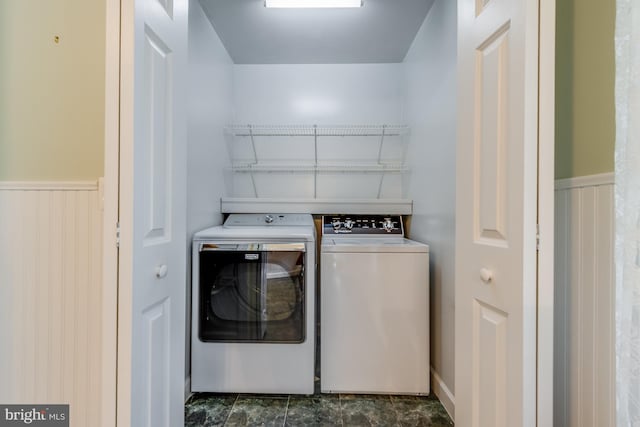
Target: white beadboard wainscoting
(51, 296)
(584, 383)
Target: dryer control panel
(372, 225)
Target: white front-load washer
(253, 305)
(374, 315)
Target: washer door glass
(252, 296)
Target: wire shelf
(338, 168)
(321, 154)
(316, 130)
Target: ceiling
(379, 32)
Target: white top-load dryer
(253, 301)
(374, 291)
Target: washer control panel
(375, 225)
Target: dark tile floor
(208, 409)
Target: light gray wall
(210, 109)
(323, 94)
(430, 111)
(380, 32)
(317, 93)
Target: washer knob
(268, 219)
(387, 225)
(348, 224)
(336, 224)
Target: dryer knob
(387, 225)
(336, 224)
(268, 219)
(348, 224)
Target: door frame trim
(546, 210)
(125, 208)
(114, 401)
(110, 219)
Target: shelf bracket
(315, 163)
(255, 160)
(384, 128)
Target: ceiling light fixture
(312, 3)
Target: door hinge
(537, 237)
(118, 234)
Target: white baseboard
(444, 394)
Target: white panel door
(151, 330)
(496, 205)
